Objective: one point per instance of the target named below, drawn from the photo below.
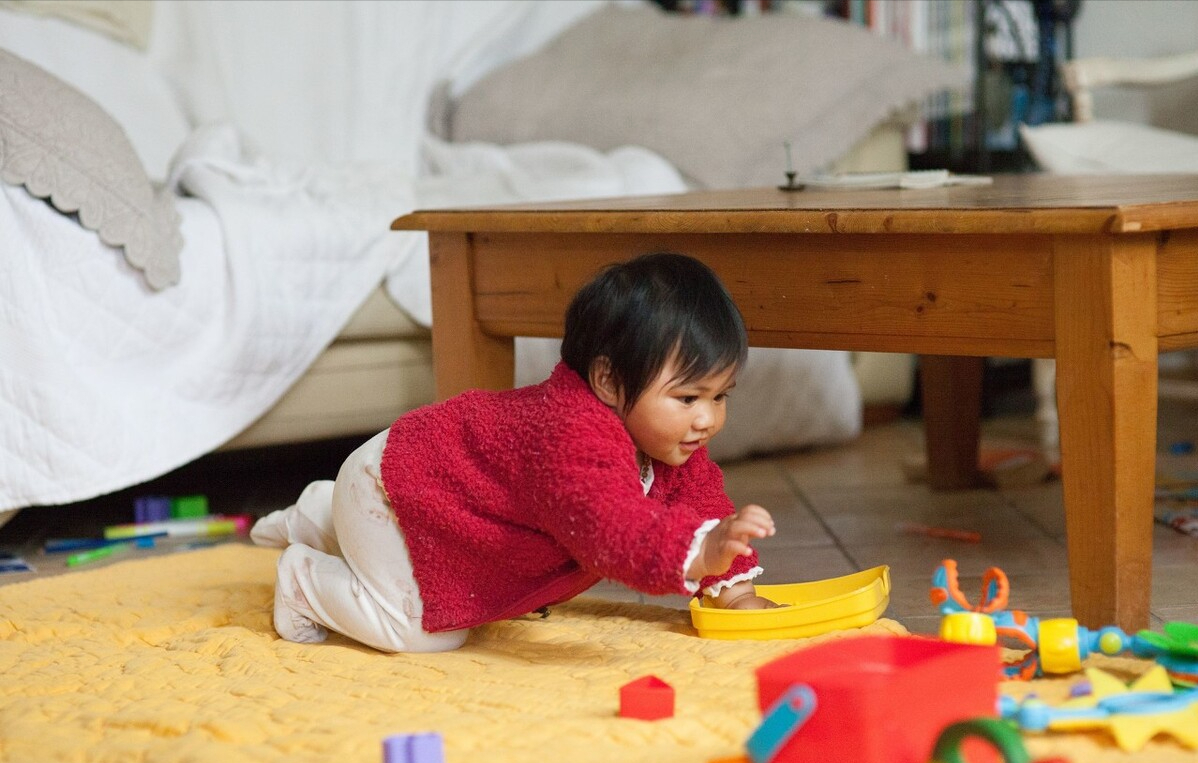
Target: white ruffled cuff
(692, 586)
(714, 590)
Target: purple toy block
(151, 508)
(413, 748)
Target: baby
(492, 505)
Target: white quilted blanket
(105, 384)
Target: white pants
(346, 565)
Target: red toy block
(883, 699)
(647, 698)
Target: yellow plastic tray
(808, 609)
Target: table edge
(1131, 219)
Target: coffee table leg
(1106, 350)
(952, 406)
(464, 357)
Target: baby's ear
(603, 382)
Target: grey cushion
(717, 97)
(65, 148)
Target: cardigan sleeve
(699, 483)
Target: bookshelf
(1012, 47)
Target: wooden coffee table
(1099, 273)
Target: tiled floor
(836, 510)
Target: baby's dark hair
(642, 313)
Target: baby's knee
(365, 459)
(446, 641)
(318, 492)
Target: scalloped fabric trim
(62, 146)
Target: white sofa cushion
(1107, 147)
(122, 80)
(718, 98)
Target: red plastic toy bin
(883, 699)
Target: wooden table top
(1028, 203)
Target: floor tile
(1043, 505)
(1171, 549)
(747, 478)
(795, 529)
(609, 590)
(1187, 614)
(1174, 586)
(920, 557)
(874, 459)
(902, 517)
(797, 564)
(672, 601)
(924, 625)
(909, 597)
(828, 501)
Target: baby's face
(673, 419)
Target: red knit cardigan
(513, 500)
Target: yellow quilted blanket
(173, 658)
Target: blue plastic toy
(1055, 645)
(1132, 714)
(781, 722)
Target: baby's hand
(742, 595)
(752, 602)
(730, 539)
